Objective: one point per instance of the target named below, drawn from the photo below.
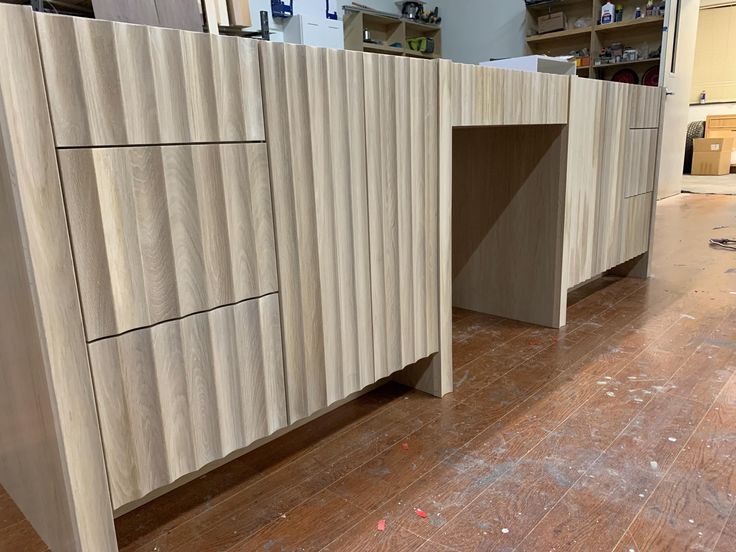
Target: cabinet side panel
(50, 455)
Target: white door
(678, 49)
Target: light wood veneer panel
(316, 138)
(162, 232)
(402, 126)
(180, 395)
(640, 161)
(610, 164)
(119, 84)
(490, 96)
(645, 103)
(508, 191)
(51, 459)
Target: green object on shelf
(421, 44)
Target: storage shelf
(383, 49)
(624, 63)
(558, 35)
(641, 23)
(543, 7)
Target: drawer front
(118, 84)
(180, 395)
(639, 161)
(163, 232)
(644, 106)
(490, 96)
(636, 225)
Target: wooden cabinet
(490, 96)
(115, 84)
(354, 141)
(180, 395)
(611, 174)
(402, 129)
(163, 232)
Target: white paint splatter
(611, 394)
(504, 530)
(672, 439)
(691, 520)
(608, 377)
(602, 382)
(653, 465)
(687, 316)
(641, 495)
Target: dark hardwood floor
(617, 433)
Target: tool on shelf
(282, 9)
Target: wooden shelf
(641, 23)
(624, 63)
(558, 35)
(382, 49)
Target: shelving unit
(643, 34)
(385, 30)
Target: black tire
(694, 130)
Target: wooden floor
(617, 433)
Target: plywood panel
(645, 102)
(640, 161)
(51, 459)
(180, 14)
(177, 396)
(402, 109)
(491, 96)
(316, 138)
(117, 84)
(162, 232)
(142, 12)
(508, 193)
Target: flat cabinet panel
(180, 395)
(640, 161)
(635, 228)
(402, 110)
(162, 232)
(645, 103)
(118, 84)
(316, 127)
(490, 96)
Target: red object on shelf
(651, 77)
(628, 76)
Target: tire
(694, 130)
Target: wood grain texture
(490, 96)
(610, 164)
(402, 109)
(640, 160)
(51, 459)
(503, 178)
(141, 12)
(118, 84)
(321, 219)
(645, 106)
(177, 396)
(162, 232)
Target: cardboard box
(712, 156)
(721, 126)
(552, 22)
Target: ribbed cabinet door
(315, 120)
(163, 232)
(180, 395)
(402, 111)
(119, 84)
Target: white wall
(700, 112)
(478, 30)
(314, 8)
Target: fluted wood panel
(491, 96)
(645, 103)
(180, 395)
(116, 84)
(316, 136)
(402, 110)
(162, 232)
(640, 160)
(610, 165)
